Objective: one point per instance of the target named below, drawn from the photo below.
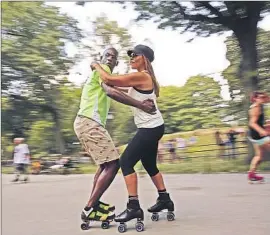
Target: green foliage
(41, 136)
(34, 65)
(121, 127)
(33, 45)
(236, 87)
(193, 106)
(202, 18)
(106, 33)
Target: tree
(34, 62)
(194, 106)
(206, 18)
(102, 34)
(121, 126)
(237, 104)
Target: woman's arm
(126, 80)
(147, 106)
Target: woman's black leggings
(143, 146)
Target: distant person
(21, 159)
(36, 167)
(161, 152)
(193, 140)
(220, 143)
(172, 150)
(181, 145)
(258, 134)
(232, 141)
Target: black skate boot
(164, 202)
(133, 211)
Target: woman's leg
(128, 160)
(259, 151)
(149, 161)
(256, 159)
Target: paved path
(222, 204)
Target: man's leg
(99, 145)
(103, 179)
(98, 172)
(17, 173)
(25, 172)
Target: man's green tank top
(95, 104)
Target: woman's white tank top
(141, 118)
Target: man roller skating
(89, 127)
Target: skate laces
(96, 214)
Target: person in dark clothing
(258, 135)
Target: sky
(175, 59)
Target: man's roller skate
(106, 206)
(133, 211)
(254, 178)
(164, 204)
(96, 214)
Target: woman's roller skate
(133, 211)
(254, 178)
(96, 214)
(164, 203)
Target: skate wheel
(170, 216)
(155, 217)
(139, 227)
(122, 228)
(84, 226)
(105, 225)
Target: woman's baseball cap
(142, 50)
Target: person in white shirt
(21, 158)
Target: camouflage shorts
(96, 140)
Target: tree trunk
(246, 33)
(60, 143)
